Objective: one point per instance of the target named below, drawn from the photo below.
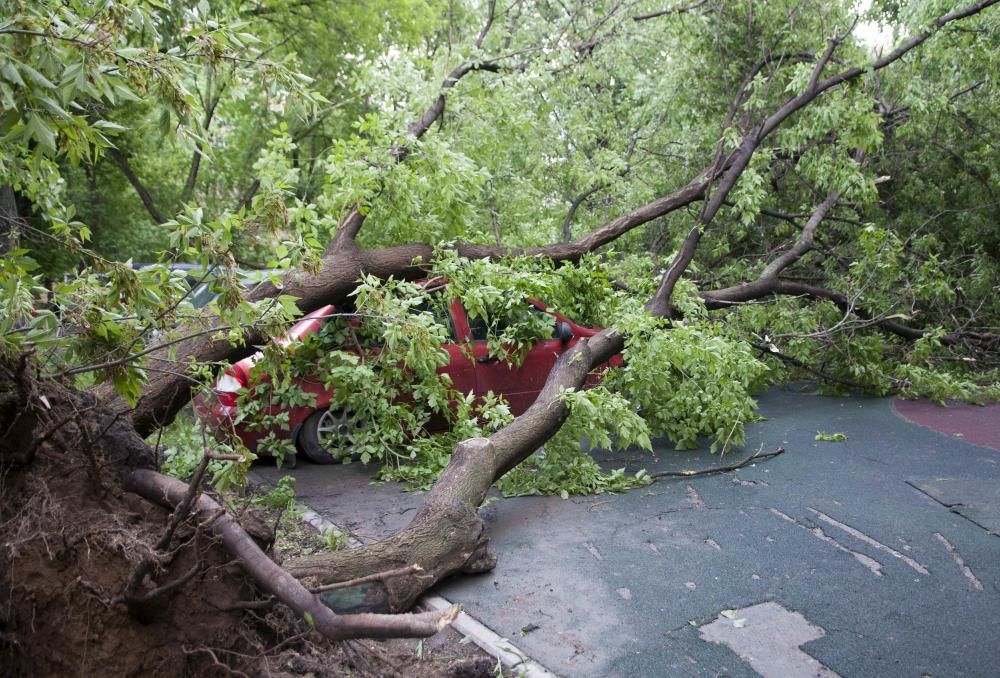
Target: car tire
(326, 437)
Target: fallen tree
(432, 540)
(447, 536)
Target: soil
(71, 538)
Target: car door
(460, 367)
(519, 385)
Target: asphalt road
(876, 556)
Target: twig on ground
(756, 456)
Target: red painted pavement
(973, 423)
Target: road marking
(768, 637)
(593, 550)
(693, 498)
(873, 565)
(966, 570)
(857, 534)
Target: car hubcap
(336, 431)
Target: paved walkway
(877, 556)
(972, 423)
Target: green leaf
(113, 126)
(35, 77)
(8, 71)
(831, 437)
(42, 133)
(54, 107)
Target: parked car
(317, 429)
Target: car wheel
(327, 436)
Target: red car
(316, 429)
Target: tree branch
(351, 225)
(756, 456)
(199, 151)
(567, 229)
(147, 200)
(490, 13)
(740, 158)
(670, 10)
(805, 241)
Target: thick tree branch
(199, 151)
(447, 535)
(739, 294)
(147, 200)
(805, 241)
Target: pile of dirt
(71, 541)
(71, 538)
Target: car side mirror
(563, 331)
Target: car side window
(437, 305)
(478, 329)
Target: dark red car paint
(478, 373)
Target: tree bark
(8, 218)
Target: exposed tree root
(170, 492)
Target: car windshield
(350, 332)
(480, 330)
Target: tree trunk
(447, 535)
